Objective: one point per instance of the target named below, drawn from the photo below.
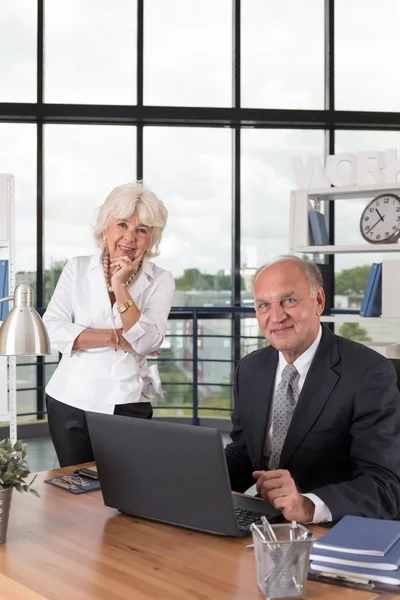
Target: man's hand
(279, 489)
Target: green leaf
(34, 492)
(18, 446)
(14, 468)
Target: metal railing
(193, 315)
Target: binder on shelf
(318, 228)
(390, 288)
(4, 306)
(372, 302)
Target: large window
(208, 101)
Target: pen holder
(282, 565)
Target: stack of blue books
(372, 301)
(361, 549)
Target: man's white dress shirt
(302, 364)
(99, 378)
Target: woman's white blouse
(99, 378)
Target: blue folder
(372, 302)
(4, 306)
(318, 228)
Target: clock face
(380, 220)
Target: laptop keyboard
(245, 518)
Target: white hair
(125, 200)
(309, 269)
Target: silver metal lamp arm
(6, 298)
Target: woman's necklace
(106, 268)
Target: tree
(193, 279)
(352, 282)
(174, 375)
(353, 331)
(51, 277)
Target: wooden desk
(64, 546)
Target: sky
(90, 57)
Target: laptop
(171, 473)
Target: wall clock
(380, 220)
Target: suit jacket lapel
(318, 386)
(263, 389)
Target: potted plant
(13, 473)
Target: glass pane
(267, 180)
(188, 52)
(18, 158)
(366, 55)
(352, 270)
(252, 338)
(82, 164)
(176, 402)
(214, 345)
(26, 406)
(90, 51)
(217, 403)
(26, 396)
(18, 27)
(26, 377)
(49, 369)
(283, 54)
(190, 169)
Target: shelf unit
(358, 319)
(8, 369)
(348, 249)
(301, 201)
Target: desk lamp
(22, 333)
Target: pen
(292, 531)
(268, 529)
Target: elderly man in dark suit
(316, 419)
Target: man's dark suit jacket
(343, 443)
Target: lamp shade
(23, 332)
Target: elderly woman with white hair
(107, 313)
